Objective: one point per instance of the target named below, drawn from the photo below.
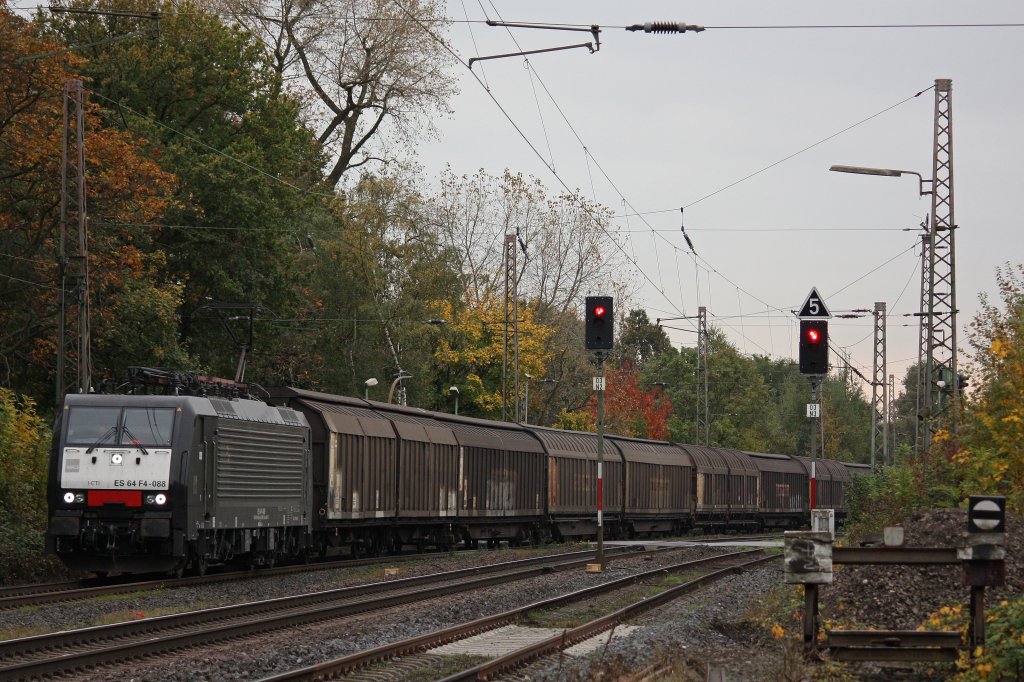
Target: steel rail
(347, 664)
(587, 630)
(133, 639)
(49, 593)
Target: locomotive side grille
(259, 461)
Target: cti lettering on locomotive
(166, 482)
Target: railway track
(66, 652)
(20, 596)
(412, 651)
(50, 593)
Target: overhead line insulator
(665, 27)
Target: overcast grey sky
(672, 119)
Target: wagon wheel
(376, 544)
(200, 566)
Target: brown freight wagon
(502, 472)
(572, 483)
(781, 491)
(353, 468)
(428, 477)
(833, 477)
(659, 485)
(726, 487)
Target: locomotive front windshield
(98, 426)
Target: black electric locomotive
(143, 483)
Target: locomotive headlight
(69, 497)
(117, 458)
(160, 498)
(80, 498)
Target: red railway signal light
(814, 346)
(599, 323)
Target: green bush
(891, 494)
(24, 445)
(1002, 658)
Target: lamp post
(368, 384)
(526, 405)
(549, 381)
(400, 377)
(454, 390)
(887, 172)
(926, 373)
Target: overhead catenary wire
(552, 168)
(660, 288)
(569, 24)
(586, 209)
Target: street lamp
(887, 172)
(401, 376)
(454, 390)
(369, 383)
(927, 285)
(526, 407)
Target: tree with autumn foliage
(214, 113)
(629, 410)
(989, 457)
(471, 354)
(24, 449)
(134, 306)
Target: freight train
(152, 483)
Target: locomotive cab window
(112, 426)
(147, 426)
(92, 425)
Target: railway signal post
(599, 321)
(814, 316)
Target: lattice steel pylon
(923, 334)
(879, 399)
(703, 418)
(73, 258)
(939, 335)
(511, 329)
(890, 419)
